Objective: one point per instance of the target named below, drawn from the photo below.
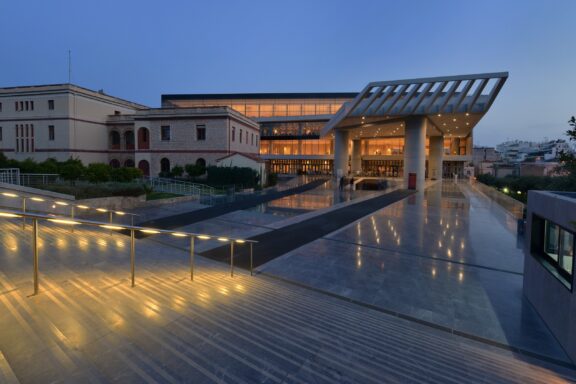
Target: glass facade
(271, 107)
(296, 147)
(297, 166)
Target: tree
(568, 160)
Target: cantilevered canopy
(453, 104)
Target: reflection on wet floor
(446, 256)
(319, 198)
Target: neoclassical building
(63, 121)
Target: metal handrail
(63, 220)
(61, 202)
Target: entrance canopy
(452, 104)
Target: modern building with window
(549, 265)
(391, 129)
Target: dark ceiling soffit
(256, 96)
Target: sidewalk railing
(66, 221)
(179, 187)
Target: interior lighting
(150, 231)
(63, 221)
(7, 214)
(113, 227)
(36, 199)
(8, 194)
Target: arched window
(114, 163)
(129, 163)
(143, 138)
(144, 166)
(201, 162)
(129, 139)
(114, 140)
(165, 165)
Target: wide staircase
(88, 325)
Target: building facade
(58, 121)
(421, 127)
(549, 264)
(65, 121)
(157, 139)
(366, 133)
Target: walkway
(275, 243)
(175, 221)
(448, 258)
(88, 325)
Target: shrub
(194, 170)
(219, 176)
(125, 174)
(98, 173)
(177, 171)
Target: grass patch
(160, 195)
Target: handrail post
(24, 210)
(72, 217)
(192, 258)
(35, 253)
(232, 258)
(132, 255)
(251, 262)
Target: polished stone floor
(88, 325)
(448, 257)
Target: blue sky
(140, 49)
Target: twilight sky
(138, 50)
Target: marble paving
(448, 257)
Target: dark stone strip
(280, 241)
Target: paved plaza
(427, 289)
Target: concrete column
(341, 139)
(435, 157)
(356, 163)
(415, 150)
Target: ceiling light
(179, 234)
(36, 199)
(101, 210)
(222, 239)
(83, 206)
(7, 194)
